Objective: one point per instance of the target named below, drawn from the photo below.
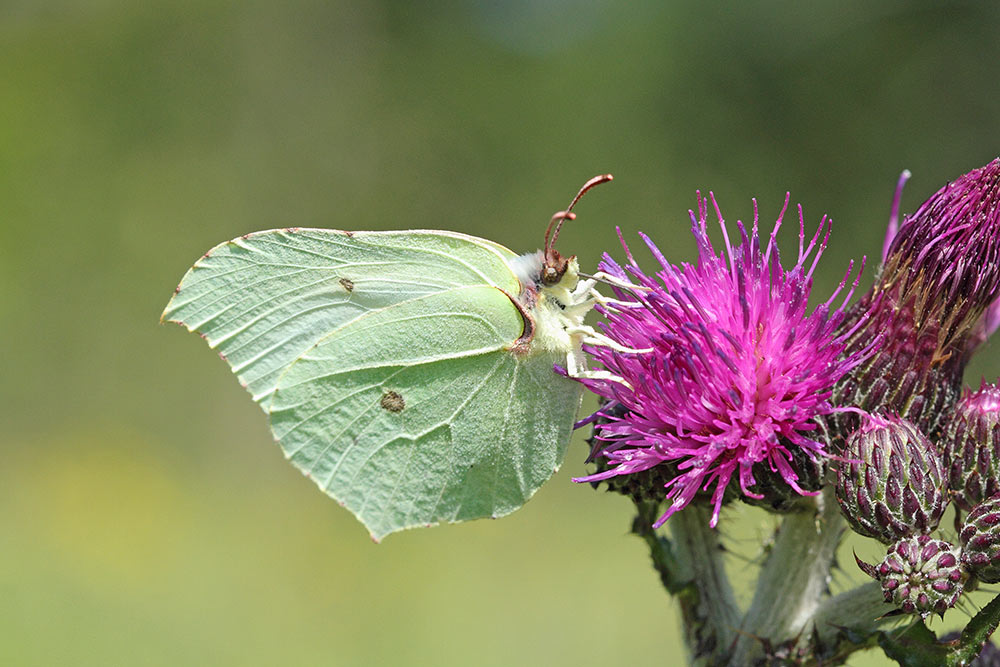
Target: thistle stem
(793, 580)
(674, 577)
(691, 568)
(862, 610)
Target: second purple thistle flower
(741, 371)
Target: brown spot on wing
(347, 284)
(392, 402)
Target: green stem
(691, 568)
(860, 611)
(673, 575)
(792, 581)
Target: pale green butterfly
(408, 373)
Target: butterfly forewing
(263, 299)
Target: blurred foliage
(146, 516)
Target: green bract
(409, 374)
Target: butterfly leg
(585, 296)
(590, 336)
(576, 368)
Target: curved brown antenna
(551, 236)
(555, 265)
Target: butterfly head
(552, 306)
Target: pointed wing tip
(165, 316)
(378, 534)
(168, 316)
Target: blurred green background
(145, 515)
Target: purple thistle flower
(933, 301)
(739, 372)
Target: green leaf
(914, 646)
(976, 633)
(917, 646)
(393, 366)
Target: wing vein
(417, 437)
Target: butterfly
(412, 375)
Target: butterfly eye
(551, 275)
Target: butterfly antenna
(557, 220)
(552, 234)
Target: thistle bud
(890, 484)
(939, 274)
(920, 575)
(981, 541)
(970, 448)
